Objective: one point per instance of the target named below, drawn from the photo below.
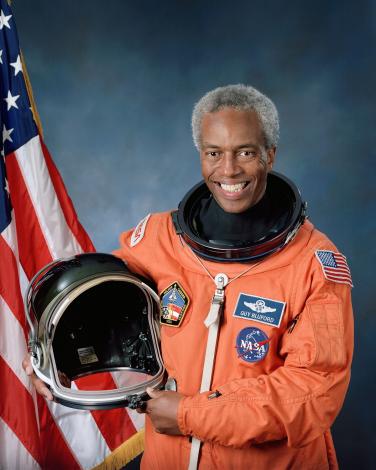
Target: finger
(38, 384)
(45, 392)
(142, 407)
(26, 364)
(42, 388)
(153, 393)
(64, 379)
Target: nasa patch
(174, 303)
(139, 231)
(252, 344)
(260, 309)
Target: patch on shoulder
(334, 266)
(139, 231)
(174, 303)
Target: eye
(247, 154)
(213, 154)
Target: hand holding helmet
(38, 384)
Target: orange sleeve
(139, 256)
(298, 401)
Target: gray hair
(240, 97)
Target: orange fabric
(275, 413)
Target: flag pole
(31, 96)
(30, 92)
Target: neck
(251, 226)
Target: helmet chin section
(89, 315)
(275, 240)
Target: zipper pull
(293, 324)
(215, 394)
(218, 299)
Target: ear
(271, 152)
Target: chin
(237, 204)
(233, 208)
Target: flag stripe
(137, 419)
(66, 203)
(115, 424)
(10, 237)
(59, 238)
(338, 275)
(341, 280)
(11, 333)
(82, 448)
(29, 233)
(338, 278)
(338, 270)
(17, 410)
(123, 379)
(13, 455)
(56, 454)
(116, 420)
(9, 286)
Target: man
(261, 367)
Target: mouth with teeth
(236, 196)
(233, 188)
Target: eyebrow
(249, 145)
(212, 146)
(241, 146)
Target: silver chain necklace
(221, 280)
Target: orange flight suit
(272, 413)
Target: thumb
(153, 393)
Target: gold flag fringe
(126, 452)
(31, 97)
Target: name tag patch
(260, 309)
(252, 344)
(174, 303)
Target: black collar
(259, 223)
(261, 230)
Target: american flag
(38, 224)
(334, 266)
(174, 311)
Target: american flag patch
(334, 266)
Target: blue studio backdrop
(115, 83)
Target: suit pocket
(328, 336)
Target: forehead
(231, 126)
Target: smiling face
(234, 160)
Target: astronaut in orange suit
(240, 254)
(256, 318)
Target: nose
(229, 165)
